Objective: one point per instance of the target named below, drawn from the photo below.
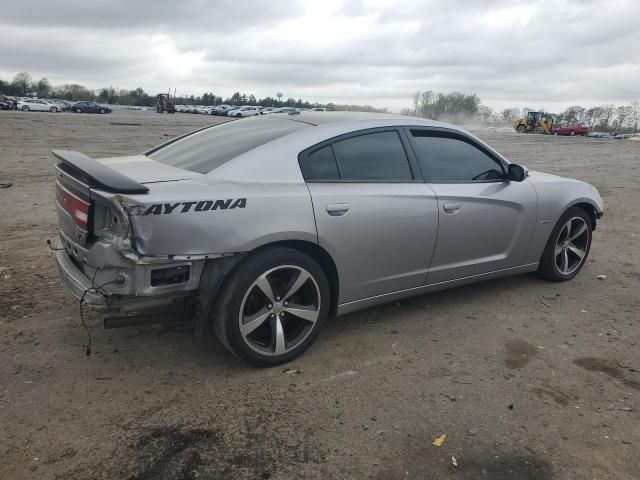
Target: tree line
(24, 85)
(457, 107)
(604, 118)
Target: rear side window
(205, 150)
(320, 165)
(371, 157)
(450, 159)
(376, 156)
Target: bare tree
(22, 83)
(510, 115)
(635, 114)
(623, 113)
(608, 111)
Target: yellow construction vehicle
(536, 122)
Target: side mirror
(517, 173)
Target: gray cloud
(540, 53)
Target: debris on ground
(601, 277)
(5, 184)
(454, 462)
(440, 440)
(291, 371)
(473, 431)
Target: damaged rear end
(98, 258)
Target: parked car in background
(265, 110)
(221, 110)
(35, 104)
(318, 109)
(183, 227)
(59, 103)
(89, 107)
(598, 135)
(284, 110)
(246, 111)
(7, 103)
(571, 129)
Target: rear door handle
(337, 209)
(451, 207)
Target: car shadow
(166, 345)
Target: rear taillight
(73, 205)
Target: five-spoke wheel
(279, 310)
(272, 306)
(568, 246)
(571, 245)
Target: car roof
(330, 117)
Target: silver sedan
(264, 228)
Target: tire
(78, 110)
(25, 108)
(573, 134)
(559, 247)
(521, 129)
(241, 298)
(102, 110)
(53, 109)
(555, 133)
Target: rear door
(485, 221)
(374, 214)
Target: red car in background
(571, 129)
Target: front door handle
(451, 207)
(337, 209)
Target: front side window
(451, 159)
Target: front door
(485, 221)
(374, 215)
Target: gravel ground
(528, 379)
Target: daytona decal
(186, 207)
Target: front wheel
(568, 246)
(25, 108)
(78, 110)
(102, 110)
(573, 134)
(521, 129)
(272, 307)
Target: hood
(145, 170)
(548, 177)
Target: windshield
(205, 150)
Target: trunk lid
(85, 188)
(145, 170)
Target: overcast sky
(541, 54)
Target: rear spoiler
(96, 174)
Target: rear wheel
(568, 246)
(555, 132)
(573, 134)
(521, 129)
(272, 307)
(78, 110)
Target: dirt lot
(528, 380)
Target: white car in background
(244, 112)
(38, 105)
